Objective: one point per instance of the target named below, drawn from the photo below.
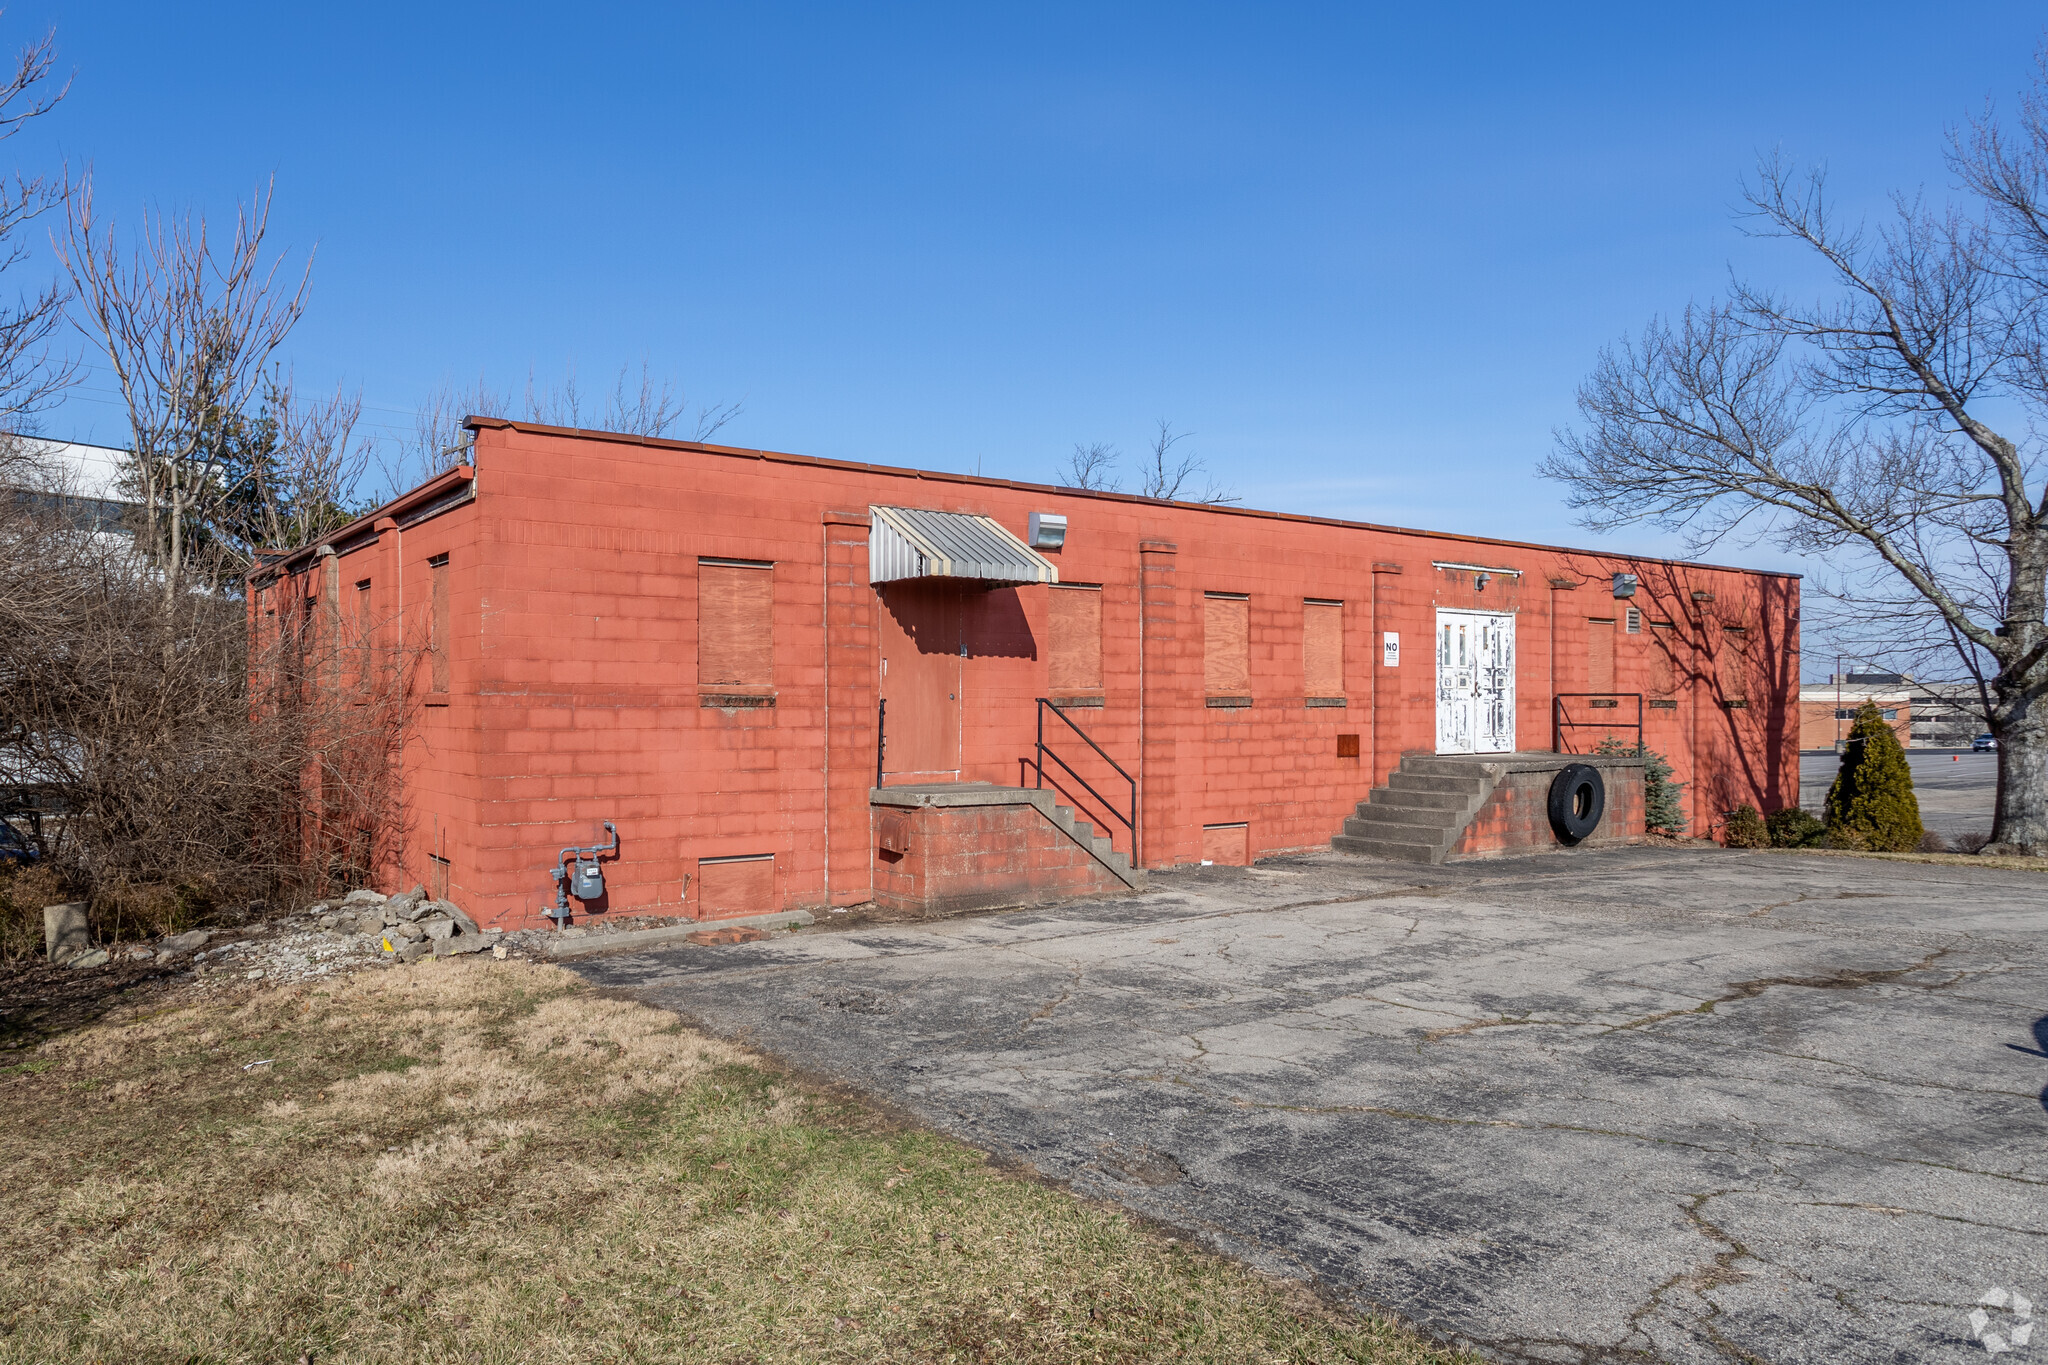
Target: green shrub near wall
(1745, 829)
(1663, 803)
(1795, 828)
(1871, 804)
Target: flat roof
(477, 421)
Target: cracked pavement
(1638, 1104)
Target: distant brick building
(725, 652)
(1827, 711)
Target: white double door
(1475, 682)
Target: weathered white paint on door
(1475, 682)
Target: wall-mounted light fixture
(1479, 583)
(1048, 531)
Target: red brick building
(700, 644)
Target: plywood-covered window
(736, 624)
(1322, 649)
(1226, 635)
(1599, 656)
(360, 633)
(437, 569)
(1734, 660)
(1074, 662)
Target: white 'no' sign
(1390, 648)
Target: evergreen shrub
(1663, 806)
(1795, 828)
(1871, 804)
(1745, 829)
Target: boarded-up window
(1226, 667)
(1322, 647)
(735, 624)
(360, 633)
(1734, 662)
(1075, 658)
(1599, 656)
(736, 886)
(438, 567)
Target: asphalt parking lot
(1956, 789)
(1627, 1105)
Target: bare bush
(158, 784)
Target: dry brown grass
(478, 1161)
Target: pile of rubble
(407, 926)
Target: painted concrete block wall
(1516, 817)
(574, 696)
(955, 858)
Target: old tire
(1577, 797)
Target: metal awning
(910, 542)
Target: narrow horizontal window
(1228, 596)
(736, 563)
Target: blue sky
(1363, 254)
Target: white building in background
(87, 477)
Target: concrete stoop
(1062, 818)
(1426, 804)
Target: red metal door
(920, 628)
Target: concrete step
(1425, 765)
(1402, 780)
(1387, 848)
(1366, 827)
(1400, 813)
(1099, 847)
(1419, 814)
(1433, 800)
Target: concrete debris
(363, 898)
(454, 912)
(437, 929)
(96, 957)
(178, 944)
(65, 932)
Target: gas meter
(578, 873)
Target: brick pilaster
(851, 689)
(1170, 708)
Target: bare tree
(295, 478)
(188, 326)
(1167, 473)
(638, 405)
(1889, 430)
(1091, 466)
(28, 378)
(438, 443)
(1164, 472)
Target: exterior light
(1048, 531)
(1479, 583)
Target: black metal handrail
(881, 736)
(1131, 824)
(1560, 721)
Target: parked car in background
(15, 851)
(1983, 744)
